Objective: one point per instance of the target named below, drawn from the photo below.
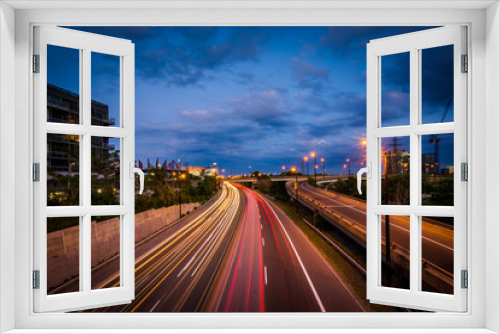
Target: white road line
(304, 270)
(261, 227)
(265, 275)
(263, 242)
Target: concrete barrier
(63, 245)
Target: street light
(313, 154)
(183, 177)
(217, 185)
(283, 168)
(323, 165)
(306, 159)
(296, 185)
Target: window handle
(368, 171)
(134, 170)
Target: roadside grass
(347, 272)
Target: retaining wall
(63, 245)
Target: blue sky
(261, 96)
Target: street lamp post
(313, 154)
(217, 185)
(306, 159)
(183, 176)
(296, 185)
(323, 166)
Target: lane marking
(304, 270)
(261, 227)
(265, 275)
(263, 242)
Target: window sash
(413, 43)
(86, 43)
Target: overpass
(285, 178)
(348, 214)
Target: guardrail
(435, 276)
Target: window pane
(105, 170)
(105, 89)
(395, 171)
(437, 169)
(437, 254)
(395, 73)
(63, 85)
(63, 165)
(63, 255)
(105, 252)
(437, 85)
(395, 246)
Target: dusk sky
(261, 96)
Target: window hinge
(36, 279)
(464, 171)
(465, 64)
(465, 279)
(36, 172)
(36, 63)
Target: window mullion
(86, 173)
(415, 245)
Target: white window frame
(85, 44)
(483, 102)
(414, 43)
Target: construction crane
(434, 140)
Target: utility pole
(349, 163)
(387, 226)
(180, 193)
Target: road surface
(437, 242)
(241, 253)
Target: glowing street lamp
(306, 159)
(181, 177)
(323, 166)
(296, 185)
(313, 155)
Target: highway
(437, 241)
(239, 253)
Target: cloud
(309, 75)
(264, 110)
(246, 126)
(195, 53)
